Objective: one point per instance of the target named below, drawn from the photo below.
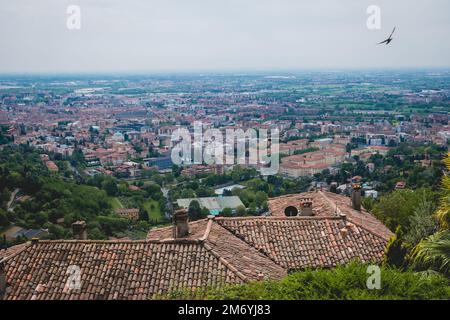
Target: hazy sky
(220, 35)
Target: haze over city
(199, 35)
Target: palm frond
(443, 212)
(434, 252)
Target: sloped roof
(237, 253)
(4, 253)
(302, 242)
(217, 251)
(114, 269)
(328, 204)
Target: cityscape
(321, 184)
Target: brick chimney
(306, 206)
(180, 224)
(3, 282)
(344, 232)
(356, 196)
(79, 230)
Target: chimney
(356, 196)
(79, 230)
(3, 282)
(306, 206)
(180, 224)
(344, 232)
(261, 276)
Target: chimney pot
(34, 241)
(306, 206)
(356, 196)
(344, 232)
(180, 224)
(79, 230)
(261, 276)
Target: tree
(77, 158)
(227, 193)
(260, 198)
(143, 215)
(227, 212)
(344, 282)
(421, 223)
(154, 191)
(194, 210)
(368, 203)
(4, 222)
(397, 207)
(113, 224)
(110, 186)
(396, 250)
(205, 212)
(333, 188)
(240, 210)
(434, 252)
(176, 170)
(57, 232)
(443, 213)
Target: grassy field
(153, 210)
(116, 204)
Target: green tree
(227, 212)
(110, 186)
(434, 252)
(443, 213)
(240, 210)
(396, 250)
(4, 221)
(345, 282)
(194, 210)
(260, 198)
(422, 223)
(396, 208)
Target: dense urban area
(94, 153)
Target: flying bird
(388, 40)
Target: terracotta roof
(245, 258)
(291, 242)
(328, 204)
(115, 269)
(301, 242)
(217, 251)
(4, 253)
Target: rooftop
(216, 251)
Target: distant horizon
(212, 36)
(242, 72)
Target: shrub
(346, 282)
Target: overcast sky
(220, 35)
